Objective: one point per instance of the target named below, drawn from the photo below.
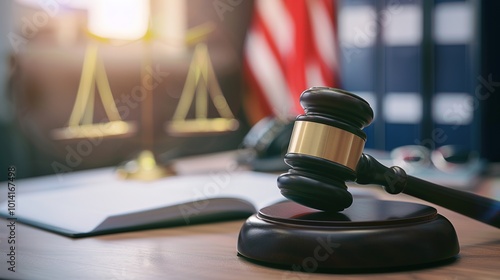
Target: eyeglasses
(449, 158)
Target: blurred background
(429, 69)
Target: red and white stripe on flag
(291, 45)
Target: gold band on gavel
(326, 142)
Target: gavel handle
(395, 180)
(471, 205)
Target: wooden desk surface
(208, 251)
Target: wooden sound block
(371, 234)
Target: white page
(82, 207)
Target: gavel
(326, 150)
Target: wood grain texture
(208, 251)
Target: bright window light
(118, 19)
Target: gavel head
(325, 147)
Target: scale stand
(201, 82)
(145, 167)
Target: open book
(95, 202)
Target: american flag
(291, 45)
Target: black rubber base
(371, 234)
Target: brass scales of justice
(201, 83)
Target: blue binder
(455, 105)
(359, 56)
(412, 74)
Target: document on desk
(89, 203)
